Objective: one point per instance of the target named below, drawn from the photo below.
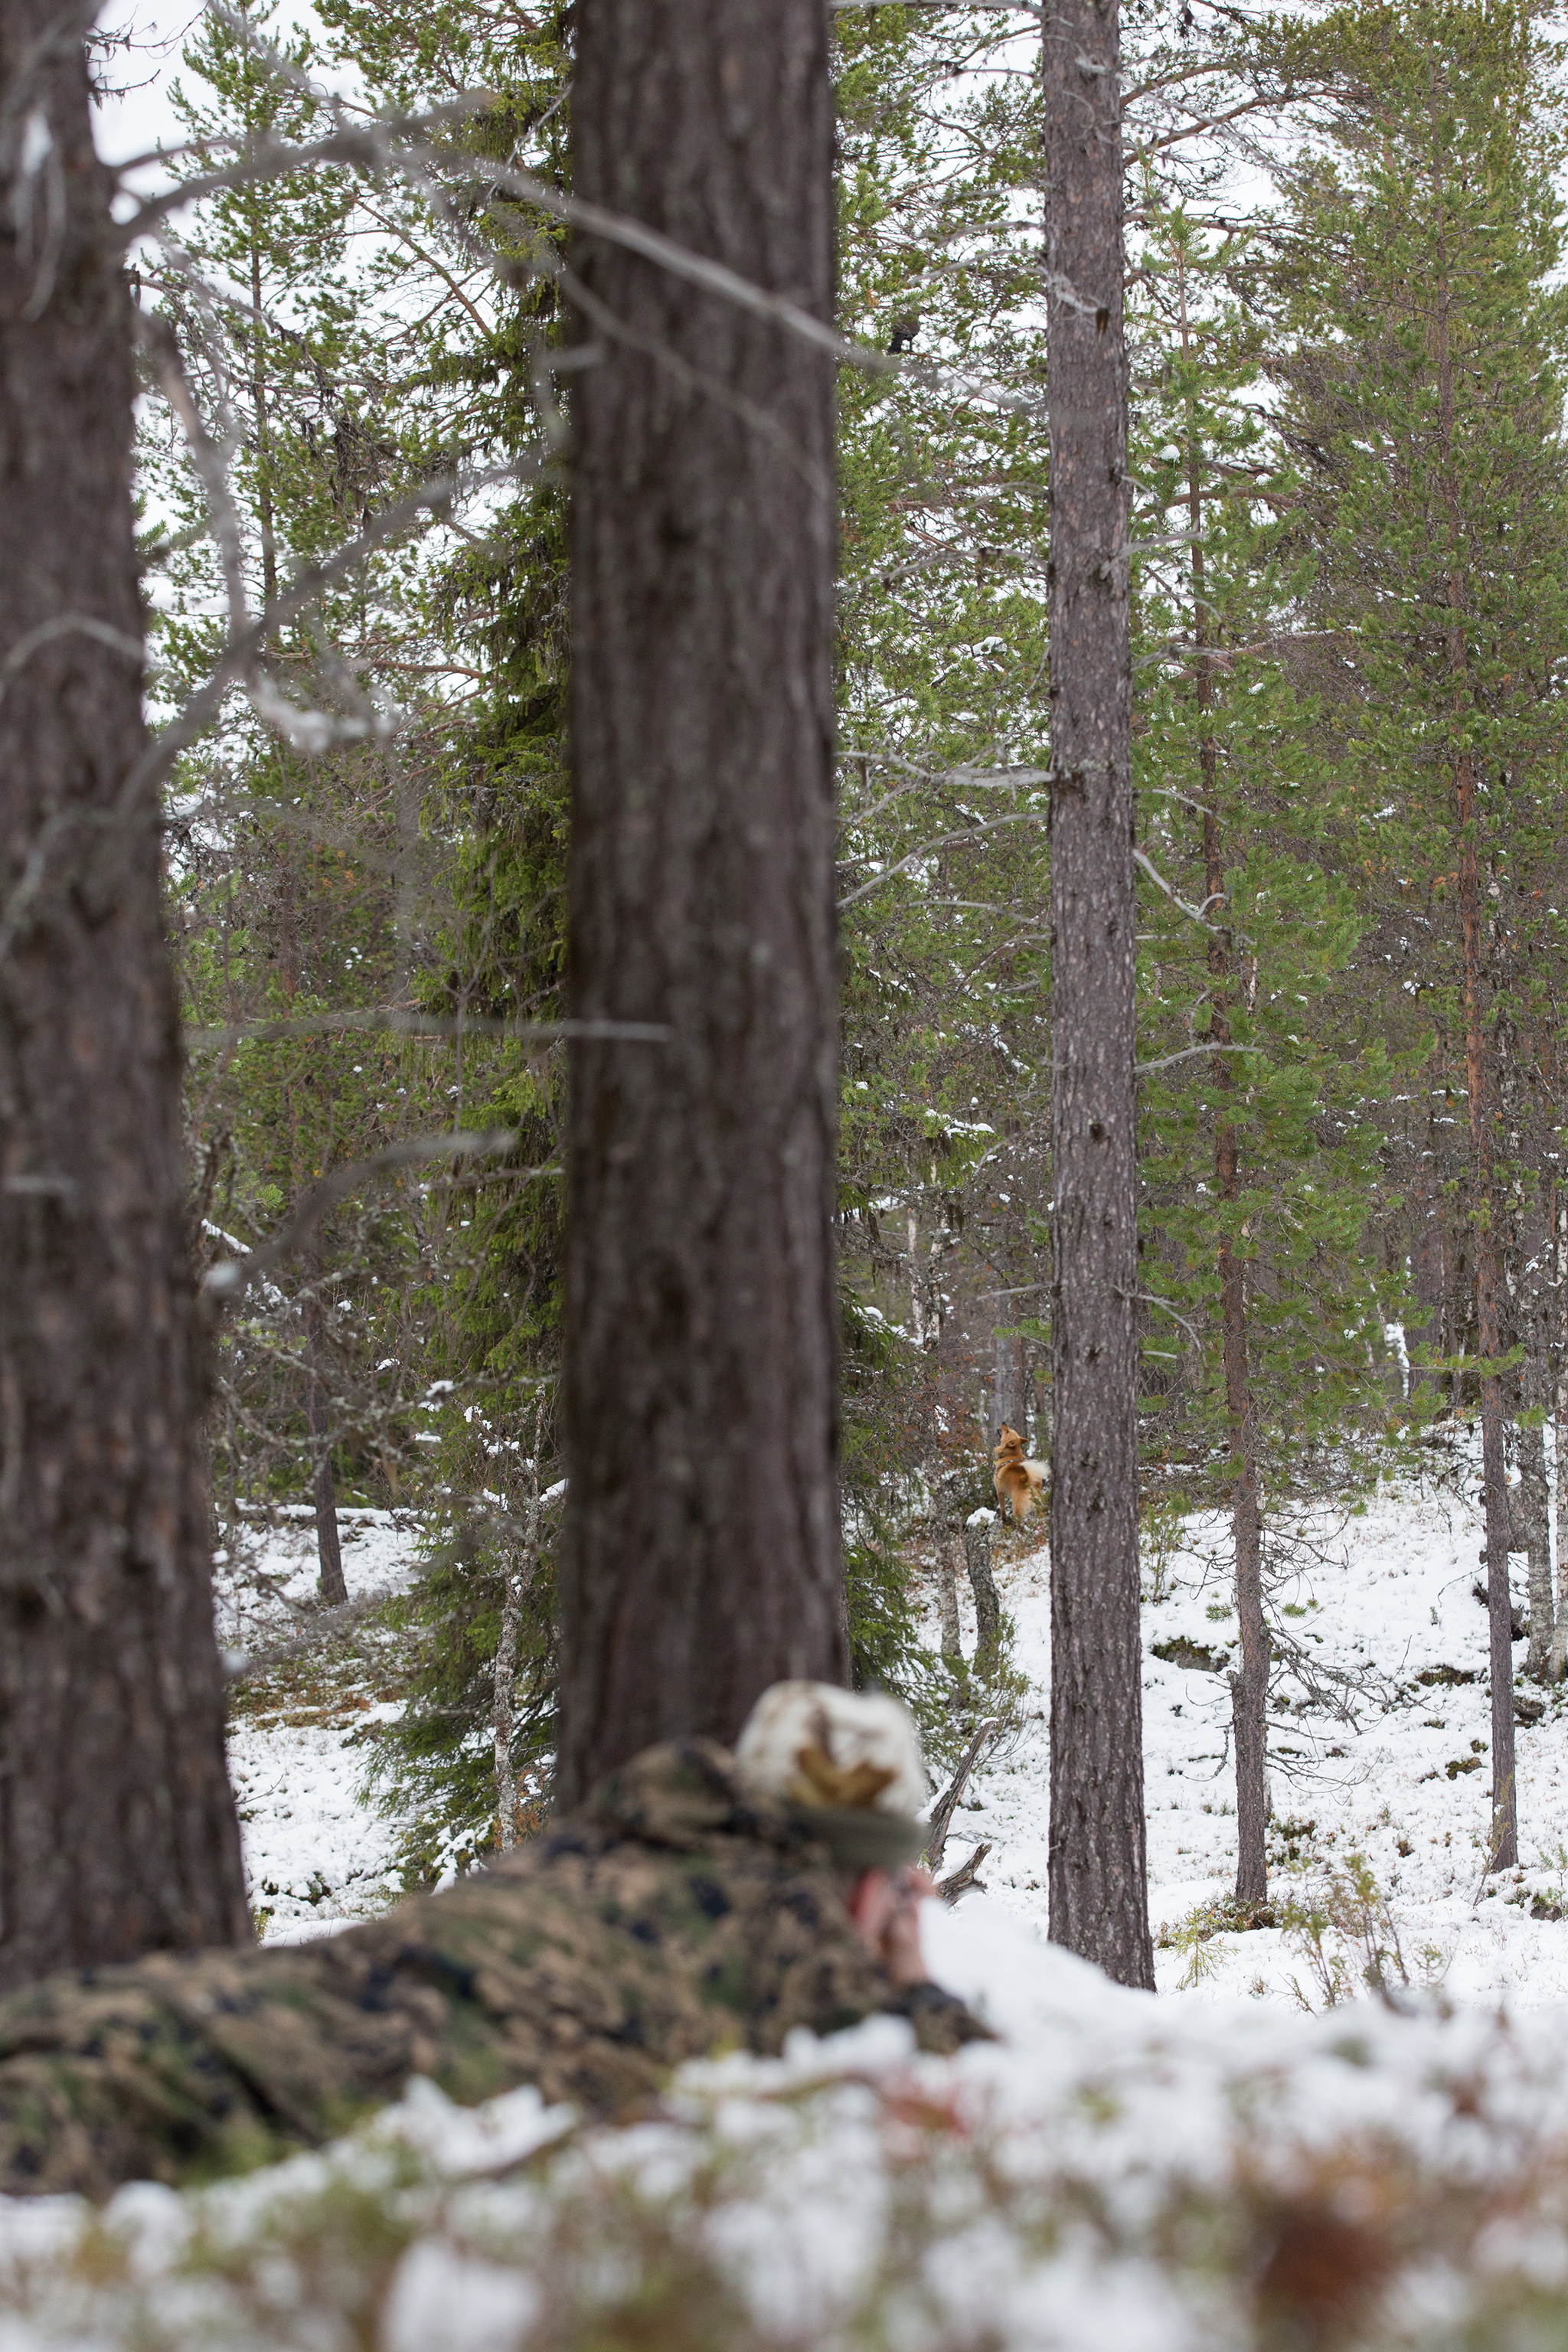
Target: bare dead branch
(1198, 915)
(941, 1812)
(231, 1277)
(944, 841)
(1188, 1053)
(376, 1017)
(950, 1889)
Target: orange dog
(1017, 1480)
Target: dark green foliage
(433, 1769)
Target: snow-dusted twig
(377, 1017)
(231, 1277)
(1198, 915)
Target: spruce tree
(1424, 397)
(1263, 1334)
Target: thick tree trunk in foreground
(701, 1557)
(1098, 1899)
(117, 1829)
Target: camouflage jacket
(669, 1919)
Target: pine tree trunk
(118, 1833)
(1534, 1499)
(1557, 1661)
(1097, 1870)
(1007, 1404)
(1494, 1473)
(320, 1422)
(947, 1602)
(1425, 1262)
(987, 1607)
(1504, 1847)
(329, 1549)
(1557, 1664)
(504, 1685)
(702, 1552)
(1249, 1687)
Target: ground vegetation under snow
(1270, 2150)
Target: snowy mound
(1122, 2174)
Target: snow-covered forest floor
(1211, 2167)
(317, 1854)
(1392, 1763)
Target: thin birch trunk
(1249, 1686)
(1504, 1840)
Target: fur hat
(848, 1760)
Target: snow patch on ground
(316, 1856)
(1192, 2171)
(1123, 2170)
(1406, 1781)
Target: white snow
(1122, 2170)
(1119, 2169)
(316, 1856)
(1390, 1595)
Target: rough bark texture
(320, 1422)
(947, 1602)
(1558, 1661)
(117, 1827)
(701, 1556)
(1535, 1496)
(1009, 1404)
(983, 1584)
(1504, 1850)
(1098, 1896)
(329, 1550)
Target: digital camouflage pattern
(670, 1918)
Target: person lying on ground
(697, 1902)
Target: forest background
(1350, 518)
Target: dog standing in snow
(1017, 1480)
